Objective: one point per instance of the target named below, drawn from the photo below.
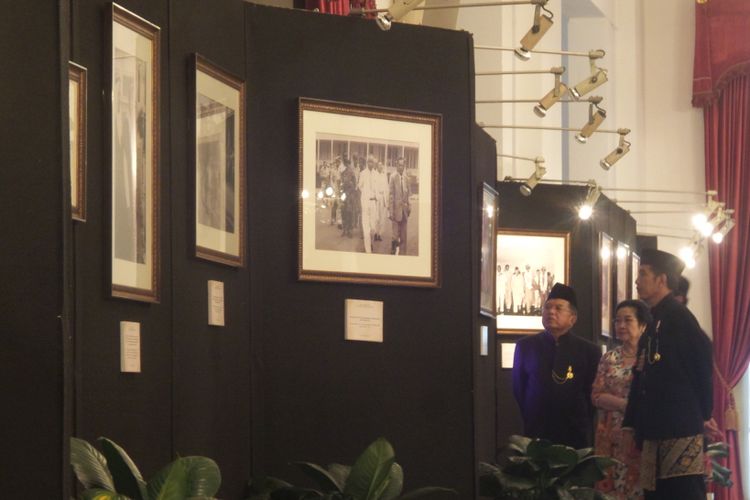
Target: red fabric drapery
(339, 7)
(727, 143)
(722, 46)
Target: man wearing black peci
(670, 401)
(552, 375)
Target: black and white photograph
(77, 105)
(606, 253)
(368, 200)
(368, 195)
(488, 251)
(528, 264)
(219, 164)
(135, 156)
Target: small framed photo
(635, 264)
(606, 252)
(622, 257)
(219, 164)
(134, 87)
(77, 92)
(529, 263)
(488, 251)
(369, 194)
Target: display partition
(554, 208)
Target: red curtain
(722, 46)
(339, 7)
(727, 143)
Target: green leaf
(90, 466)
(519, 443)
(100, 494)
(428, 491)
(563, 494)
(260, 488)
(203, 476)
(170, 483)
(339, 473)
(369, 473)
(325, 480)
(589, 471)
(395, 483)
(125, 474)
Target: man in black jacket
(671, 398)
(552, 375)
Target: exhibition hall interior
(245, 237)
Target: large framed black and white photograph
(77, 91)
(606, 252)
(369, 194)
(529, 263)
(219, 164)
(135, 129)
(488, 251)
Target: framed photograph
(635, 264)
(369, 194)
(623, 276)
(77, 119)
(606, 252)
(529, 263)
(135, 156)
(219, 164)
(488, 251)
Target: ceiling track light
(595, 54)
(597, 77)
(554, 95)
(586, 210)
(539, 170)
(595, 98)
(542, 23)
(596, 117)
(623, 147)
(402, 7)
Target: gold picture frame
(77, 114)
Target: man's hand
(711, 431)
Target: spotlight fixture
(587, 209)
(539, 170)
(395, 12)
(719, 235)
(553, 95)
(710, 218)
(689, 253)
(621, 150)
(595, 119)
(542, 23)
(598, 76)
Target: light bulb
(699, 220)
(305, 194)
(585, 212)
(717, 237)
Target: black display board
(324, 399)
(555, 207)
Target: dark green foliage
(541, 470)
(375, 475)
(111, 474)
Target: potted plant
(111, 474)
(375, 475)
(541, 470)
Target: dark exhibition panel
(32, 301)
(279, 382)
(555, 208)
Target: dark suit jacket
(673, 396)
(560, 412)
(398, 207)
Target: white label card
(483, 341)
(130, 347)
(215, 303)
(364, 320)
(507, 351)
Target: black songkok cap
(560, 291)
(662, 262)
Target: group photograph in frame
(488, 251)
(623, 276)
(528, 264)
(77, 95)
(219, 123)
(135, 81)
(369, 203)
(606, 251)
